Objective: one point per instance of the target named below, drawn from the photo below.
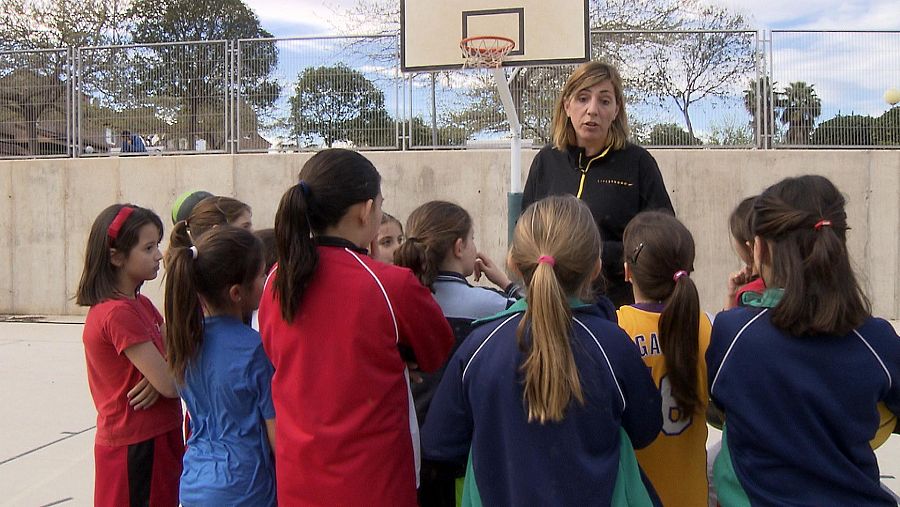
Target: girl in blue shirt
(222, 371)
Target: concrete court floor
(47, 428)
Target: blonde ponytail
(551, 377)
(556, 246)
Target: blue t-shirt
(228, 394)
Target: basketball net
(485, 51)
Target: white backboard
(545, 31)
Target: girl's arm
(147, 359)
(422, 325)
(270, 432)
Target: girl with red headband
(138, 447)
(672, 334)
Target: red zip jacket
(342, 401)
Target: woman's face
(592, 111)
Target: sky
(849, 73)
(314, 17)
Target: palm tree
(765, 106)
(801, 108)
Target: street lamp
(892, 96)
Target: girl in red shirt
(332, 320)
(138, 447)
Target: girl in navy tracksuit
(440, 250)
(799, 375)
(547, 399)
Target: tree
(764, 105)
(35, 83)
(339, 104)
(801, 107)
(670, 134)
(887, 127)
(196, 73)
(529, 85)
(693, 66)
(849, 130)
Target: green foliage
(340, 104)
(859, 130)
(765, 105)
(887, 127)
(671, 134)
(195, 74)
(729, 133)
(800, 108)
(850, 130)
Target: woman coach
(592, 159)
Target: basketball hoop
(485, 51)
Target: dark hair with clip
(99, 276)
(662, 256)
(333, 180)
(225, 256)
(821, 294)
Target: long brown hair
(431, 231)
(809, 257)
(657, 246)
(585, 76)
(225, 256)
(330, 182)
(99, 276)
(739, 225)
(563, 228)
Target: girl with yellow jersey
(672, 335)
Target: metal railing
(684, 89)
(828, 88)
(36, 103)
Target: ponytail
(180, 237)
(551, 376)
(432, 230)
(220, 259)
(295, 251)
(679, 338)
(420, 259)
(183, 311)
(804, 221)
(556, 246)
(660, 253)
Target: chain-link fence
(320, 92)
(36, 103)
(153, 98)
(683, 88)
(833, 88)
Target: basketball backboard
(545, 31)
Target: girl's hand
(737, 280)
(143, 395)
(484, 265)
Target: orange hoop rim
(505, 45)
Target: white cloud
(818, 14)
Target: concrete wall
(49, 206)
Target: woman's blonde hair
(585, 76)
(556, 247)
